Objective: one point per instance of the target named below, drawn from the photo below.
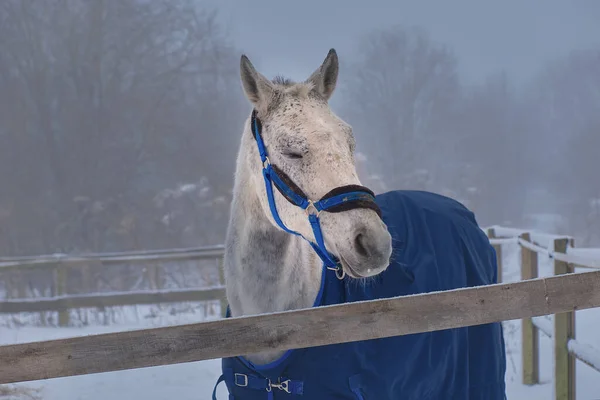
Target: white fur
(267, 269)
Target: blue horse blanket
(437, 246)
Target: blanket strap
(259, 383)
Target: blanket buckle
(284, 386)
(244, 380)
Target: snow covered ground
(196, 380)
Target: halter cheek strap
(340, 199)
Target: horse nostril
(359, 243)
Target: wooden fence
(526, 300)
(149, 262)
(299, 329)
(566, 258)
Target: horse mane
(283, 81)
(300, 89)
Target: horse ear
(324, 78)
(258, 89)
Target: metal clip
(339, 271)
(285, 386)
(244, 380)
(311, 209)
(266, 163)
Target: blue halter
(342, 198)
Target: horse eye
(293, 155)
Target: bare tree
(493, 146)
(567, 99)
(422, 129)
(401, 97)
(103, 104)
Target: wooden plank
(138, 258)
(564, 330)
(298, 329)
(63, 304)
(529, 332)
(51, 258)
(498, 249)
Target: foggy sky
(293, 37)
(102, 180)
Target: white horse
(304, 232)
(266, 268)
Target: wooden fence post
(60, 284)
(154, 276)
(529, 332)
(86, 285)
(498, 248)
(21, 285)
(564, 330)
(223, 298)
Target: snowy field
(195, 381)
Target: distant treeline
(120, 121)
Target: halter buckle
(267, 162)
(310, 207)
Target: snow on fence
(566, 347)
(311, 327)
(544, 324)
(62, 302)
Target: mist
(120, 123)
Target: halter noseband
(339, 199)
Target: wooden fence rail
(298, 329)
(195, 253)
(62, 302)
(111, 299)
(566, 348)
